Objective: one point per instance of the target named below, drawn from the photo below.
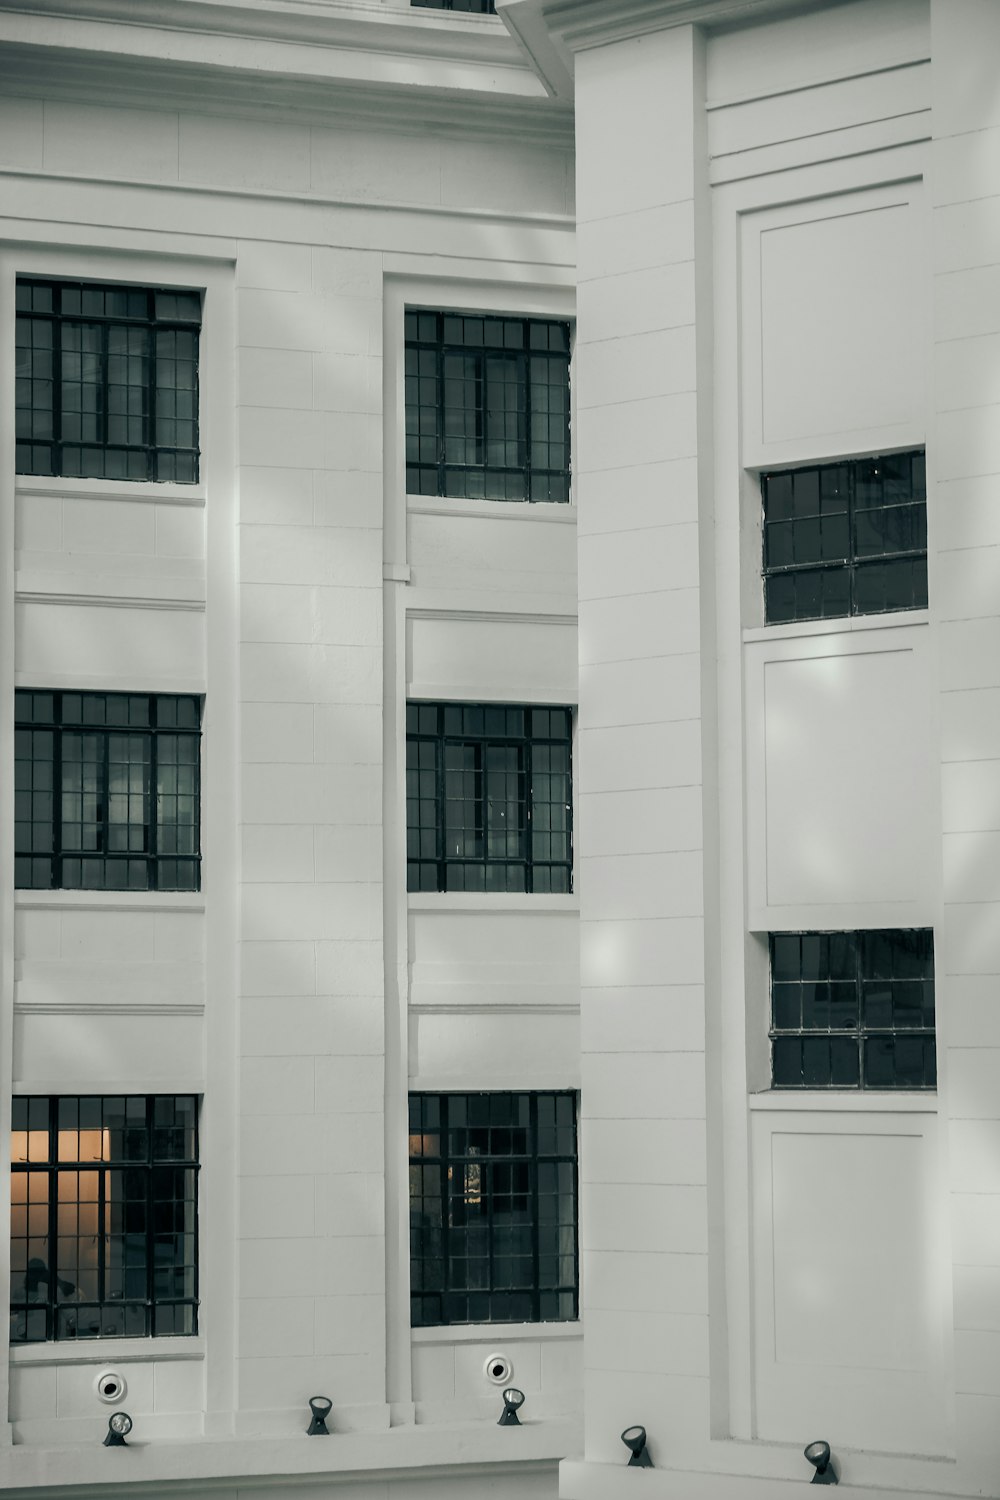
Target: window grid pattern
(106, 791)
(488, 798)
(487, 407)
(493, 1192)
(107, 381)
(853, 1009)
(845, 539)
(471, 7)
(103, 1217)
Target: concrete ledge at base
(590, 1481)
(209, 1463)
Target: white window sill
(793, 629)
(110, 900)
(497, 1334)
(490, 901)
(504, 510)
(108, 1351)
(66, 487)
(848, 1101)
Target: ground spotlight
(320, 1406)
(635, 1439)
(819, 1456)
(512, 1399)
(119, 1427)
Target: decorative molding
(103, 1008)
(492, 617)
(565, 222)
(494, 1008)
(472, 80)
(107, 601)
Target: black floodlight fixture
(119, 1427)
(321, 1407)
(512, 1399)
(635, 1439)
(818, 1455)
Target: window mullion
(533, 1192)
(445, 1191)
(51, 1314)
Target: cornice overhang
(321, 61)
(551, 32)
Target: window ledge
(110, 900)
(848, 1101)
(66, 487)
(503, 510)
(891, 620)
(490, 901)
(104, 1351)
(496, 1333)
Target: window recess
(488, 797)
(107, 381)
(104, 1232)
(853, 1010)
(487, 406)
(107, 791)
(845, 539)
(493, 1220)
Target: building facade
(473, 920)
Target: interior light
(119, 1426)
(819, 1456)
(320, 1406)
(512, 1399)
(635, 1439)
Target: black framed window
(473, 7)
(487, 406)
(489, 797)
(493, 1222)
(106, 791)
(845, 539)
(104, 1217)
(107, 381)
(853, 1009)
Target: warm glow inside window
(103, 1217)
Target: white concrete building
(626, 838)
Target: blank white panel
(837, 313)
(489, 958)
(855, 1268)
(846, 778)
(852, 1288)
(61, 642)
(834, 305)
(81, 1051)
(518, 661)
(491, 1050)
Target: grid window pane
(107, 381)
(853, 1009)
(488, 798)
(487, 407)
(470, 7)
(107, 791)
(104, 1217)
(845, 539)
(493, 1219)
